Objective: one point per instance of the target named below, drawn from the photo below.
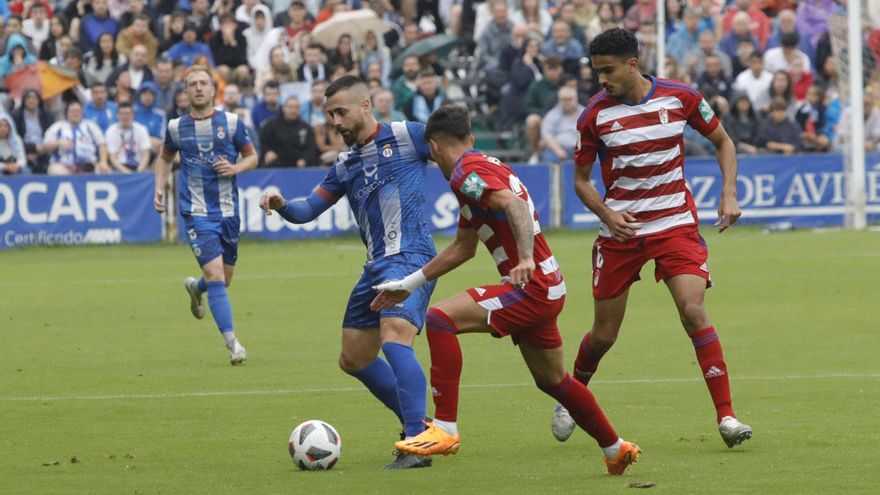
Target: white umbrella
(355, 23)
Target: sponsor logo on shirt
(706, 111)
(474, 186)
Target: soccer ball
(314, 446)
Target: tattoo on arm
(522, 224)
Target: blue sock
(411, 386)
(379, 379)
(203, 286)
(218, 301)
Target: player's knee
(347, 364)
(693, 316)
(549, 378)
(602, 341)
(533, 121)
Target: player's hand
(159, 202)
(271, 201)
(621, 225)
(522, 273)
(224, 168)
(390, 293)
(728, 212)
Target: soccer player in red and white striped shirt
(635, 126)
(497, 210)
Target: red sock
(711, 359)
(587, 360)
(445, 364)
(584, 409)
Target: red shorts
(525, 318)
(616, 265)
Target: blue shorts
(211, 238)
(358, 314)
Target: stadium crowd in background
(766, 67)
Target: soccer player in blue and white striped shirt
(209, 143)
(383, 178)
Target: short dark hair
(341, 84)
(778, 104)
(271, 85)
(553, 61)
(97, 84)
(615, 42)
(73, 53)
(70, 104)
(452, 121)
(124, 104)
(790, 40)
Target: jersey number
(520, 190)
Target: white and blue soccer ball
(315, 446)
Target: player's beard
(350, 135)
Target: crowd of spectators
(766, 67)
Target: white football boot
(196, 303)
(237, 354)
(733, 432)
(563, 424)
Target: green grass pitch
(102, 362)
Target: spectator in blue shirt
(687, 38)
(99, 110)
(186, 50)
(564, 46)
(268, 106)
(741, 31)
(149, 115)
(95, 24)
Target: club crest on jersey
(221, 133)
(664, 116)
(387, 151)
(473, 186)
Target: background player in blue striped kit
(209, 143)
(383, 178)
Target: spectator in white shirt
(755, 81)
(781, 57)
(559, 133)
(128, 142)
(76, 145)
(36, 26)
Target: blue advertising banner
(803, 190)
(441, 206)
(86, 209)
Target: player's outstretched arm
(619, 223)
(725, 150)
(296, 211)
(462, 248)
(522, 224)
